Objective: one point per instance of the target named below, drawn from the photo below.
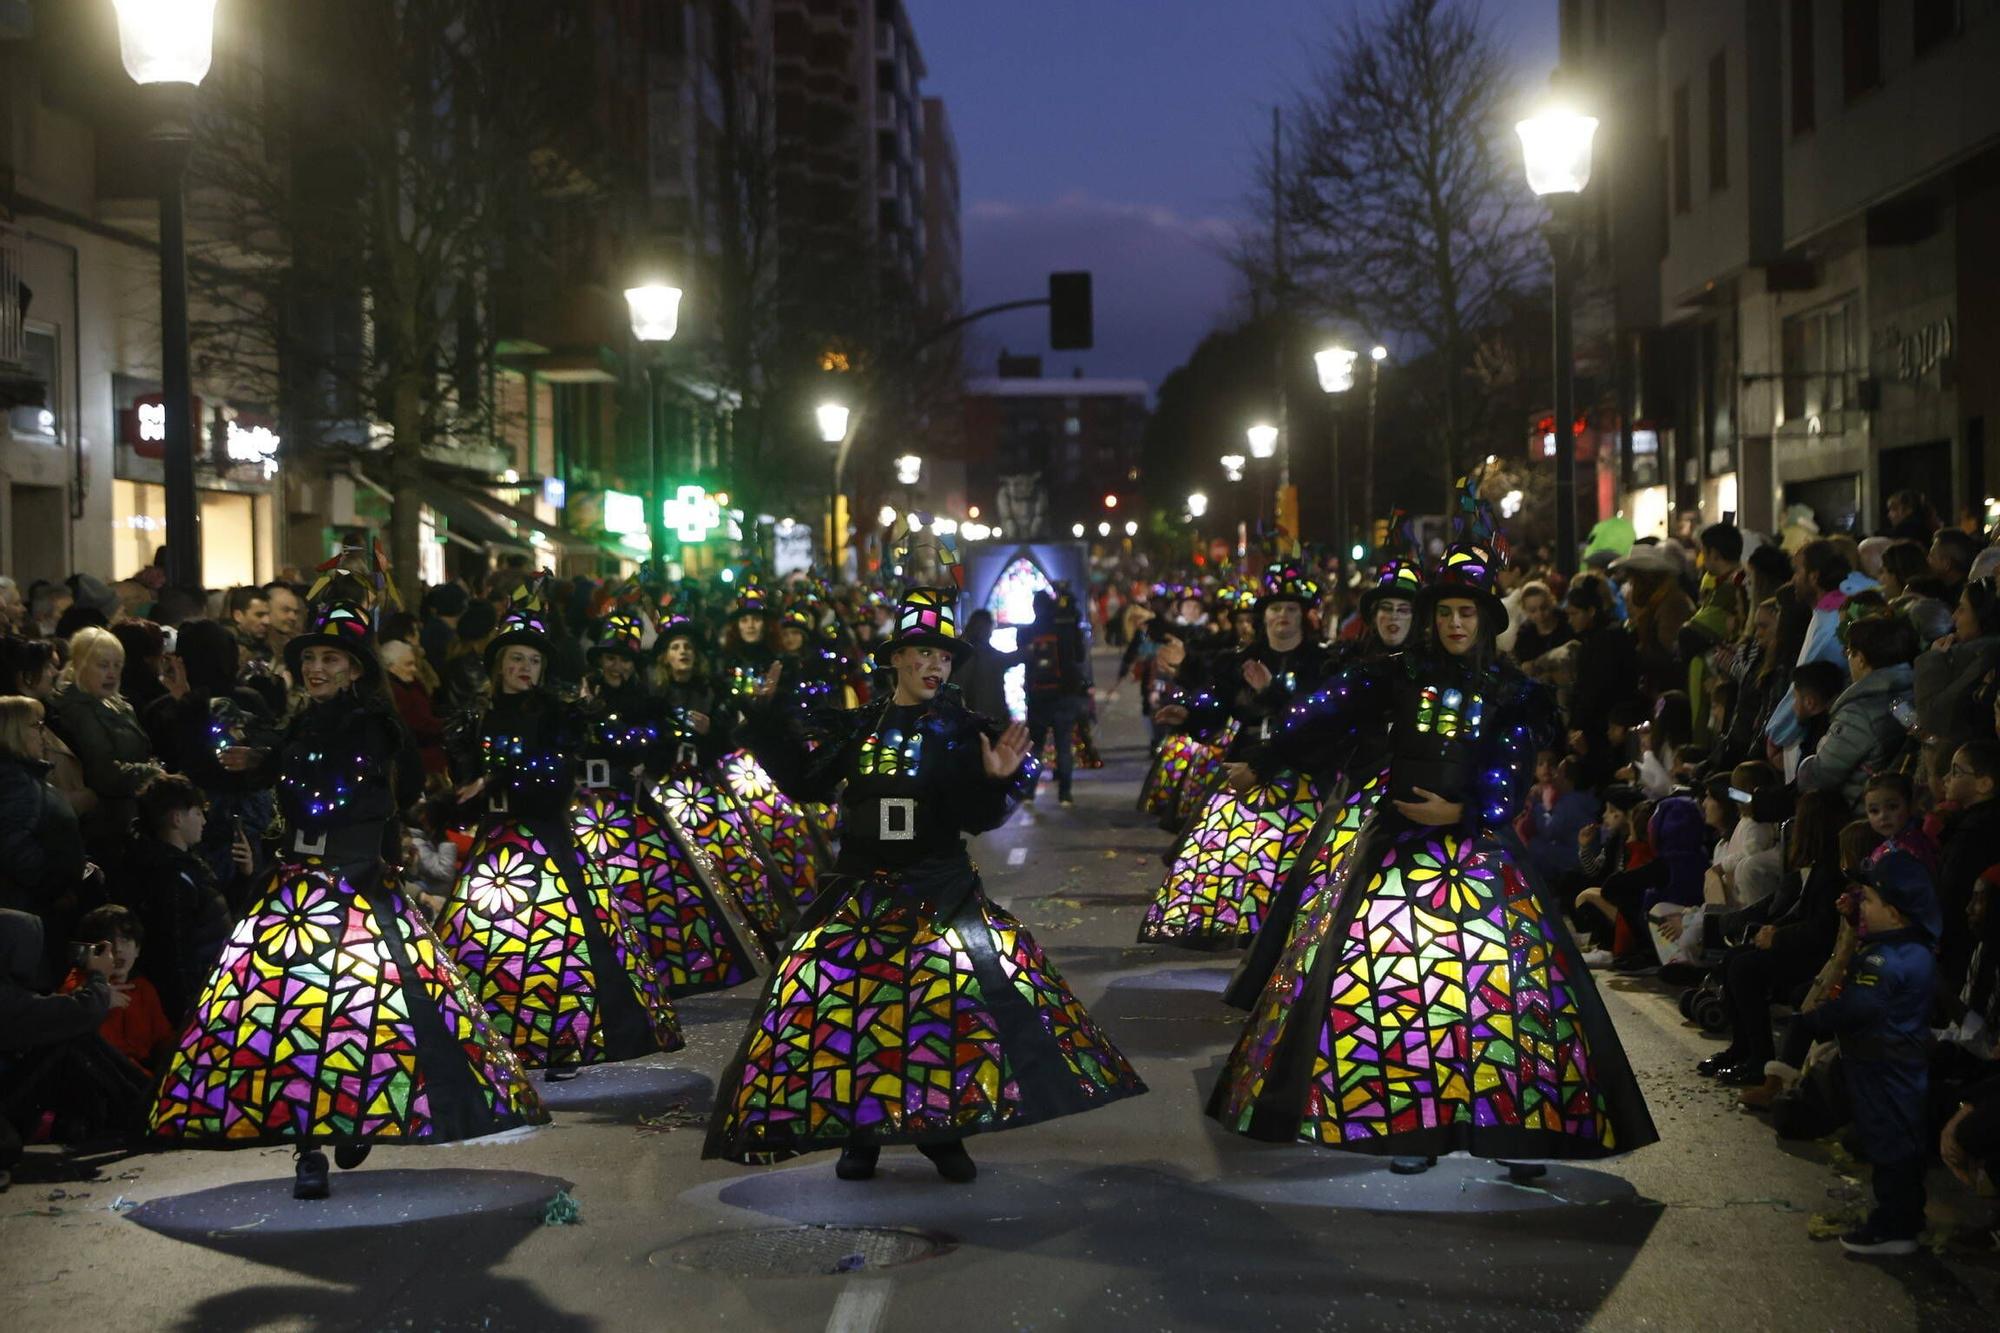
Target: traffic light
(1069, 312)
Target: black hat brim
(1492, 611)
(516, 638)
(295, 651)
(958, 648)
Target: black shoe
(1864, 1239)
(1525, 1173)
(1746, 1075)
(1716, 1063)
(309, 1176)
(1411, 1166)
(347, 1156)
(857, 1161)
(951, 1160)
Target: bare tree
(1403, 210)
(411, 155)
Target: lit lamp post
(1555, 145)
(1197, 505)
(656, 316)
(832, 419)
(1263, 439)
(167, 45)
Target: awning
(467, 521)
(473, 512)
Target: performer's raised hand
(1003, 758)
(701, 721)
(768, 689)
(1256, 675)
(1170, 715)
(1241, 777)
(1432, 809)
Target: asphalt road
(1143, 1215)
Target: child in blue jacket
(1881, 1018)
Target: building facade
(1044, 455)
(1799, 180)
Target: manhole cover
(802, 1251)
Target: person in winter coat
(1822, 583)
(983, 678)
(100, 726)
(41, 848)
(1882, 1020)
(1607, 666)
(414, 705)
(1672, 878)
(29, 667)
(1971, 846)
(1946, 679)
(1864, 734)
(168, 885)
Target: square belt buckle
(686, 756)
(309, 846)
(597, 773)
(497, 803)
(898, 819)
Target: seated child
(137, 1026)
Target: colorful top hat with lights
(621, 631)
(676, 625)
(1287, 582)
(802, 616)
(337, 616)
(925, 618)
(1470, 566)
(1399, 569)
(751, 597)
(525, 623)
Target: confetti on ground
(562, 1211)
(677, 1116)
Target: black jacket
(41, 846)
(186, 919)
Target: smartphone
(81, 954)
(1738, 795)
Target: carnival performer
(748, 653)
(334, 1015)
(663, 883)
(1388, 607)
(1222, 876)
(532, 920)
(699, 713)
(1435, 1002)
(812, 681)
(909, 1009)
(1162, 660)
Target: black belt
(883, 819)
(342, 844)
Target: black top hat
(1399, 576)
(1468, 570)
(1287, 582)
(525, 623)
(925, 618)
(337, 616)
(621, 631)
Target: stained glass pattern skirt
(1170, 764)
(887, 1025)
(1205, 771)
(666, 891)
(797, 853)
(1323, 857)
(334, 1013)
(738, 858)
(1435, 1003)
(557, 964)
(1222, 877)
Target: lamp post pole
(1562, 254)
(656, 518)
(174, 143)
(1368, 447)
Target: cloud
(1162, 278)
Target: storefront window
(1821, 353)
(228, 532)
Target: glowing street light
(1076, 529)
(1104, 529)
(1110, 502)
(886, 516)
(655, 310)
(1197, 505)
(1232, 466)
(1263, 439)
(909, 468)
(1131, 527)
(832, 422)
(166, 41)
(1336, 369)
(1555, 145)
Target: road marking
(860, 1306)
(1016, 855)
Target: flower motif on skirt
(304, 920)
(499, 887)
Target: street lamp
(1336, 369)
(832, 422)
(1131, 527)
(1197, 505)
(831, 417)
(909, 469)
(1336, 375)
(886, 516)
(168, 45)
(1263, 440)
(1104, 529)
(655, 311)
(1076, 529)
(1232, 466)
(1555, 148)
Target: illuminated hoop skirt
(1221, 880)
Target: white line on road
(1016, 855)
(860, 1306)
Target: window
(1718, 122)
(1860, 47)
(1683, 191)
(1934, 23)
(1821, 360)
(1804, 89)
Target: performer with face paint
(1435, 1002)
(334, 1015)
(532, 919)
(908, 1009)
(750, 647)
(1229, 863)
(655, 868)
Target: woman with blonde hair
(98, 723)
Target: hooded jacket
(41, 847)
(1862, 735)
(28, 1017)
